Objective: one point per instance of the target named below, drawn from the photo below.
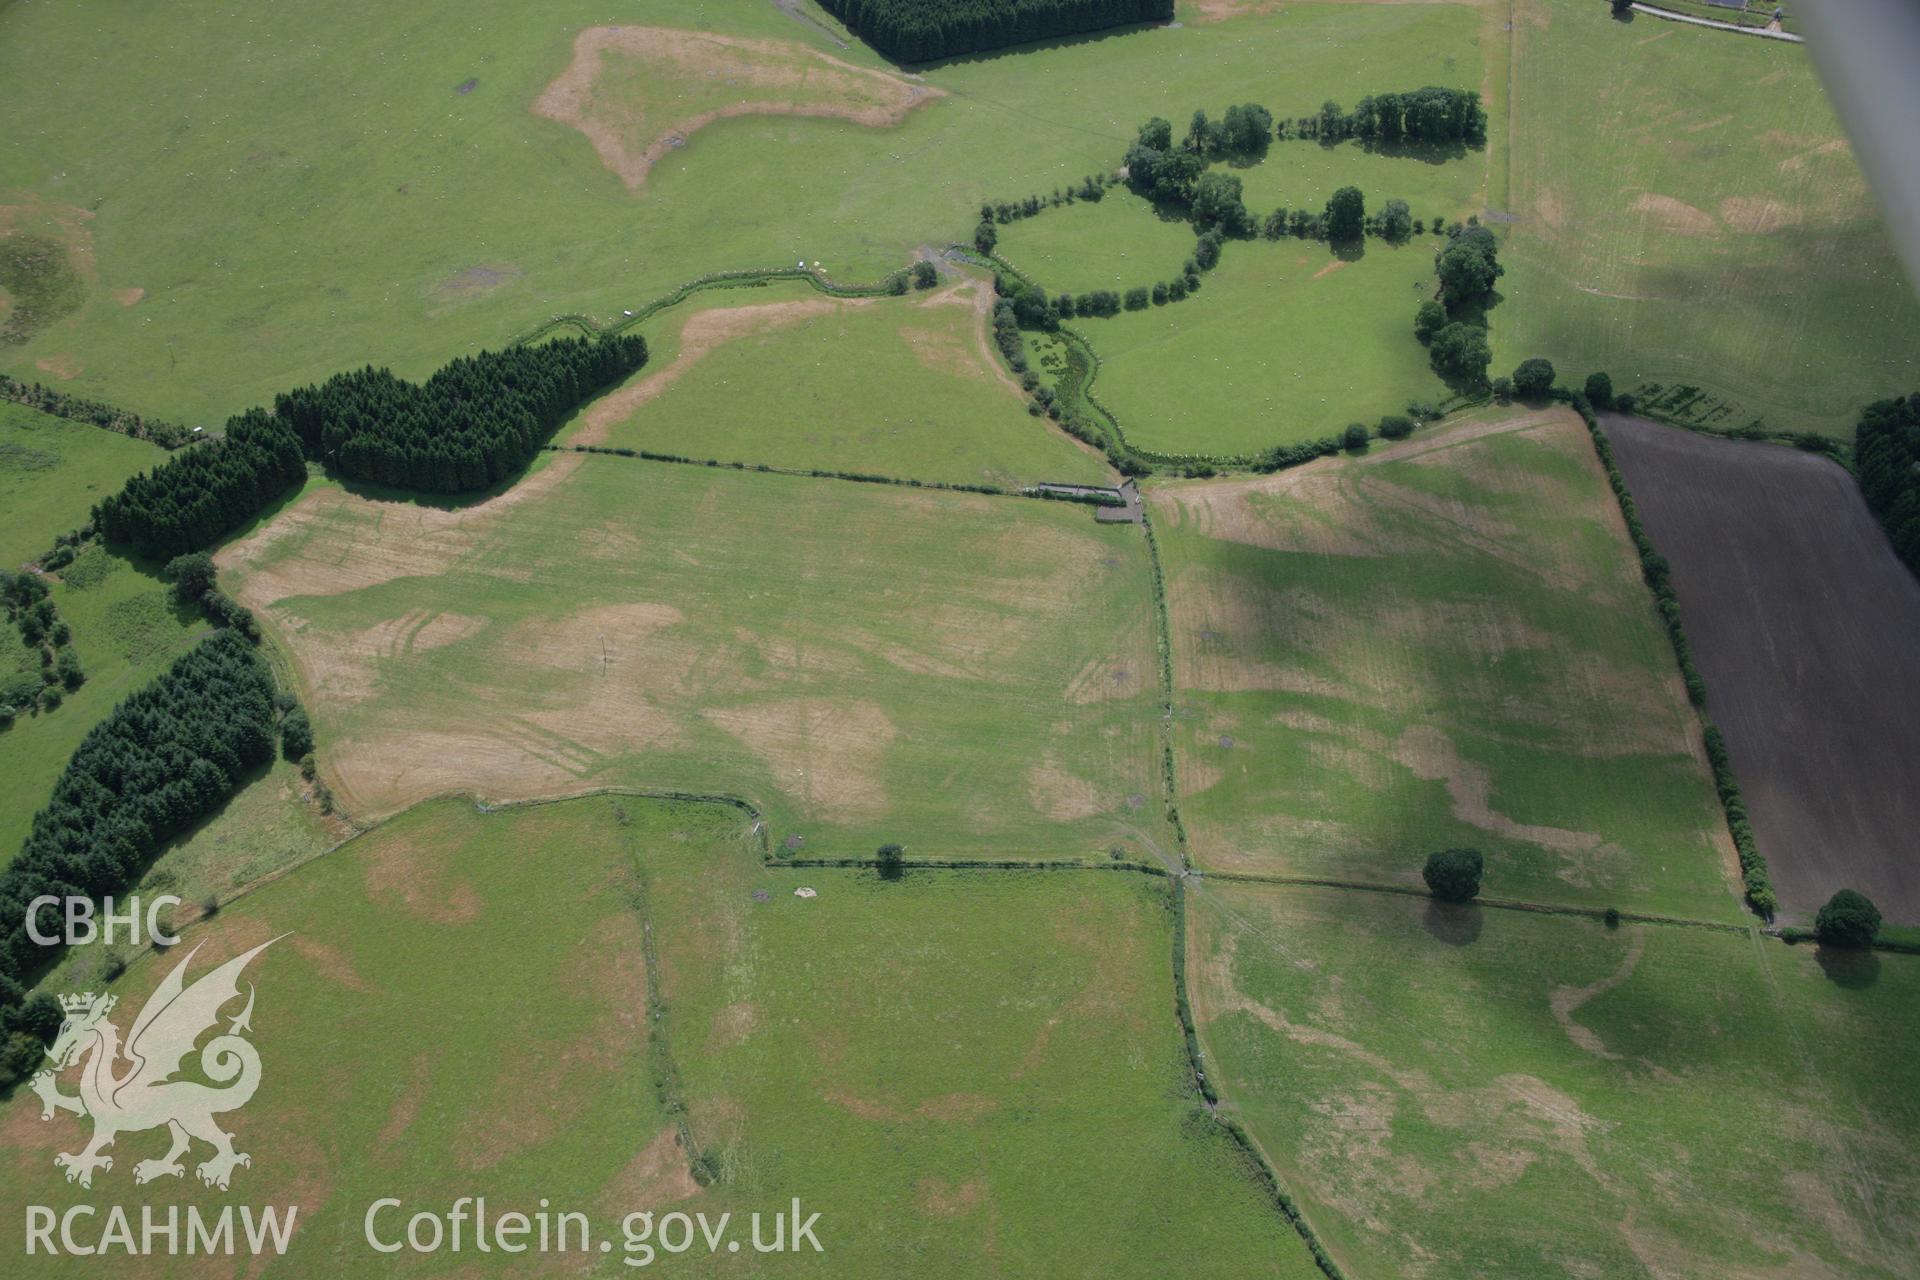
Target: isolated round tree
(1533, 379)
(1848, 920)
(192, 576)
(1600, 391)
(1453, 875)
(1346, 215)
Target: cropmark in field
(639, 92)
(608, 1007)
(1459, 1092)
(1444, 643)
(955, 672)
(899, 387)
(1688, 213)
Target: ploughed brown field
(1803, 624)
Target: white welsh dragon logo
(145, 1095)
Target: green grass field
(976, 1067)
(407, 222)
(125, 627)
(1499, 1093)
(905, 387)
(1115, 243)
(1689, 213)
(399, 1052)
(960, 673)
(1034, 1062)
(1442, 644)
(1285, 342)
(52, 472)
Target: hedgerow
(1756, 879)
(168, 435)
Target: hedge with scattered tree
(168, 435)
(1756, 878)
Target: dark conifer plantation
(192, 499)
(922, 30)
(471, 425)
(164, 758)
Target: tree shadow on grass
(1477, 312)
(1435, 153)
(1243, 159)
(376, 492)
(1458, 924)
(1855, 968)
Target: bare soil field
(1803, 624)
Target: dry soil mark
(1566, 1001)
(702, 332)
(631, 132)
(1676, 216)
(1431, 756)
(388, 540)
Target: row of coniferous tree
(922, 30)
(1886, 454)
(164, 758)
(473, 424)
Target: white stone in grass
(804, 892)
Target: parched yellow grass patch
(866, 663)
(639, 92)
(1676, 215)
(700, 334)
(1422, 646)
